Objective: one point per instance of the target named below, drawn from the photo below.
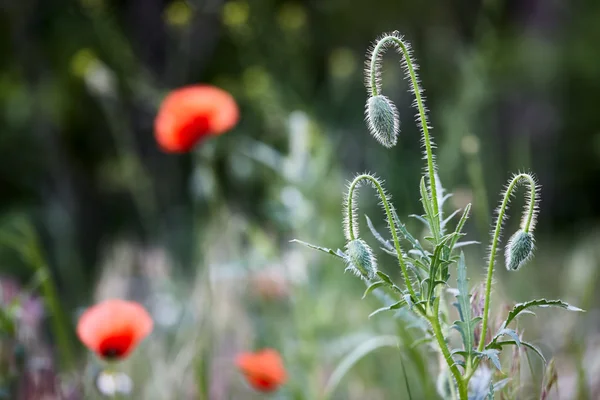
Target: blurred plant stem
(26, 244)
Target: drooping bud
(382, 120)
(361, 259)
(519, 250)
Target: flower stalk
(527, 225)
(410, 66)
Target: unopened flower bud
(382, 120)
(519, 250)
(361, 260)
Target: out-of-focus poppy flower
(191, 113)
(113, 328)
(263, 370)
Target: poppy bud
(361, 260)
(519, 250)
(382, 120)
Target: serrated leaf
(449, 218)
(420, 218)
(460, 225)
(458, 245)
(336, 253)
(390, 252)
(394, 306)
(406, 234)
(510, 333)
(519, 308)
(500, 344)
(373, 286)
(459, 352)
(492, 355)
(428, 207)
(377, 235)
(385, 278)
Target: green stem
(526, 224)
(388, 211)
(374, 72)
(439, 336)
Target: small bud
(361, 260)
(382, 120)
(519, 250)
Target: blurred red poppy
(113, 328)
(191, 113)
(263, 370)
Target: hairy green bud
(519, 250)
(361, 260)
(382, 120)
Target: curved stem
(439, 336)
(388, 211)
(411, 73)
(527, 223)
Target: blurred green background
(202, 239)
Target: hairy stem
(390, 219)
(439, 336)
(374, 71)
(526, 224)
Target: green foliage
(466, 325)
(542, 303)
(426, 273)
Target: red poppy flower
(264, 369)
(191, 113)
(113, 328)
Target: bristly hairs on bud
(528, 222)
(351, 219)
(373, 84)
(383, 120)
(519, 250)
(361, 260)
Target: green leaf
(510, 333)
(499, 344)
(466, 325)
(380, 239)
(492, 355)
(458, 245)
(428, 207)
(373, 286)
(435, 264)
(521, 307)
(449, 218)
(420, 218)
(460, 225)
(385, 278)
(339, 253)
(394, 306)
(406, 234)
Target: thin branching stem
(527, 223)
(434, 320)
(351, 220)
(379, 47)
